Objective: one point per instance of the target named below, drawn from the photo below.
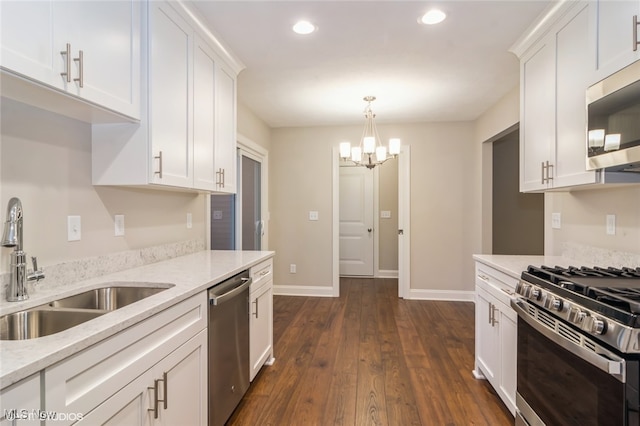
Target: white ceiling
(448, 72)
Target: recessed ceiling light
(434, 16)
(304, 27)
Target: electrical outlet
(556, 220)
(74, 228)
(313, 215)
(119, 225)
(611, 224)
(292, 268)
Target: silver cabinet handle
(67, 72)
(490, 311)
(549, 171)
(542, 172)
(256, 313)
(635, 33)
(156, 400)
(80, 61)
(159, 158)
(494, 321)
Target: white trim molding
(302, 290)
(387, 273)
(444, 295)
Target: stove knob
(576, 315)
(523, 288)
(536, 294)
(598, 326)
(554, 303)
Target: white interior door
(356, 243)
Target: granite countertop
(514, 265)
(189, 275)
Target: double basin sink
(68, 312)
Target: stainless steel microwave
(613, 122)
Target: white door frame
(250, 149)
(404, 221)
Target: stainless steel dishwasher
(228, 346)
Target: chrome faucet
(12, 237)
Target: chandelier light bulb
(394, 146)
(369, 144)
(381, 153)
(345, 150)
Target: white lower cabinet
(496, 333)
(261, 321)
(180, 379)
(20, 403)
(118, 380)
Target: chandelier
(371, 152)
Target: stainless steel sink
(107, 298)
(68, 312)
(34, 323)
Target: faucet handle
(36, 275)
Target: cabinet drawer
(261, 273)
(82, 382)
(499, 284)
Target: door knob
(369, 230)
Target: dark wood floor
(368, 357)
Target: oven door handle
(605, 360)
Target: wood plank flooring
(369, 358)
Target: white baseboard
(387, 273)
(301, 290)
(445, 295)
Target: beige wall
(441, 217)
(252, 127)
(584, 214)
(46, 162)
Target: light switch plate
(119, 225)
(313, 215)
(556, 220)
(611, 224)
(74, 228)
(385, 214)
(217, 214)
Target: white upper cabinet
(614, 35)
(90, 50)
(169, 97)
(553, 84)
(186, 138)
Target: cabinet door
(20, 402)
(574, 56)
(130, 406)
(613, 35)
(508, 324)
(225, 151)
(537, 123)
(487, 344)
(27, 41)
(204, 71)
(261, 328)
(108, 35)
(186, 372)
(170, 89)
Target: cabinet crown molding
(542, 24)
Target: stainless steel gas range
(578, 346)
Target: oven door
(564, 378)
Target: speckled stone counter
(188, 276)
(514, 265)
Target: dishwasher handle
(219, 296)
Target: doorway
(401, 227)
(240, 221)
(517, 218)
(356, 221)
